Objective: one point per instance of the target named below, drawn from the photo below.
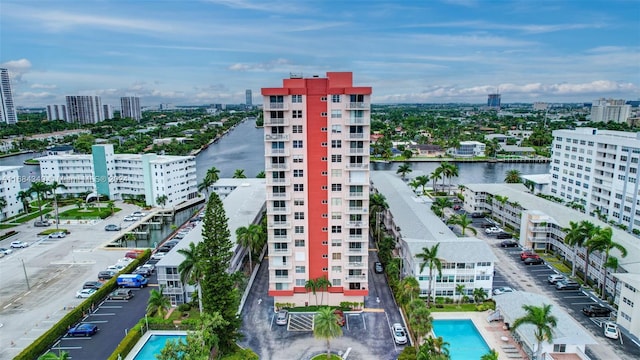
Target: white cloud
(43, 86)
(17, 68)
(260, 66)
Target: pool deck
(493, 333)
(143, 340)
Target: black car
(595, 310)
(146, 272)
(533, 261)
(92, 285)
(106, 275)
(504, 235)
(477, 215)
(509, 243)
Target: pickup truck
(595, 310)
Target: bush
(241, 354)
(184, 307)
(129, 341)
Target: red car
(529, 255)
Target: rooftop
(475, 250)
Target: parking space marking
(575, 297)
(107, 314)
(582, 303)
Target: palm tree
(261, 175)
(443, 202)
(250, 237)
(158, 304)
(162, 200)
(205, 185)
(403, 170)
(377, 204)
(24, 197)
(513, 176)
(460, 291)
(325, 326)
(575, 238)
(502, 200)
(589, 230)
(435, 176)
(53, 187)
(312, 285)
(415, 184)
(52, 356)
(422, 180)
(464, 222)
(420, 320)
(323, 285)
(39, 188)
(190, 269)
(491, 355)
(449, 171)
(430, 258)
(479, 294)
(213, 174)
(409, 288)
(603, 241)
(540, 317)
(437, 346)
(239, 174)
(3, 204)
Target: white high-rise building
(85, 109)
(57, 112)
(599, 170)
(107, 111)
(7, 109)
(317, 170)
(130, 108)
(609, 110)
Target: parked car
(378, 267)
(146, 272)
(116, 267)
(399, 335)
(533, 261)
(43, 223)
(486, 225)
(133, 254)
(106, 275)
(493, 230)
(130, 218)
(503, 235)
(5, 251)
(151, 267)
(457, 207)
(567, 285)
(85, 293)
(611, 330)
(528, 254)
(19, 244)
(92, 285)
(112, 227)
(509, 243)
(120, 294)
(477, 215)
(138, 214)
(282, 317)
(164, 248)
(596, 311)
(158, 255)
(57, 235)
(554, 278)
(85, 329)
(502, 290)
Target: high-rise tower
(85, 109)
(248, 98)
(7, 109)
(130, 108)
(493, 101)
(317, 169)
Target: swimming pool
(154, 345)
(465, 341)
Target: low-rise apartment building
(468, 149)
(119, 176)
(10, 181)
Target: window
(323, 114)
(336, 158)
(296, 98)
(297, 158)
(336, 144)
(282, 273)
(298, 229)
(297, 114)
(297, 129)
(299, 243)
(323, 98)
(336, 172)
(559, 348)
(300, 282)
(300, 269)
(336, 114)
(336, 256)
(336, 242)
(298, 215)
(336, 229)
(298, 202)
(336, 215)
(298, 187)
(297, 144)
(298, 173)
(336, 129)
(335, 98)
(336, 187)
(336, 201)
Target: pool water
(154, 345)
(465, 342)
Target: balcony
(279, 225)
(355, 136)
(276, 137)
(356, 210)
(357, 151)
(356, 224)
(355, 250)
(357, 121)
(355, 277)
(276, 152)
(278, 166)
(358, 195)
(281, 252)
(279, 210)
(277, 121)
(278, 196)
(277, 106)
(358, 165)
(357, 106)
(355, 265)
(278, 181)
(280, 265)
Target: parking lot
(512, 272)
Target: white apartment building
(628, 287)
(599, 170)
(9, 187)
(57, 112)
(244, 202)
(85, 109)
(107, 111)
(317, 170)
(119, 176)
(469, 149)
(130, 108)
(465, 260)
(610, 110)
(8, 113)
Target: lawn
(30, 216)
(556, 263)
(91, 213)
(461, 307)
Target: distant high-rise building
(494, 101)
(7, 109)
(317, 170)
(57, 112)
(249, 98)
(130, 108)
(107, 111)
(85, 109)
(610, 110)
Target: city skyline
(201, 52)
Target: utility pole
(25, 275)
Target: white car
(493, 230)
(611, 330)
(399, 335)
(158, 255)
(5, 251)
(502, 290)
(57, 235)
(138, 214)
(84, 293)
(116, 267)
(130, 218)
(19, 244)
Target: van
(132, 280)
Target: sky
(191, 52)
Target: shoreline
(457, 160)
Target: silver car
(399, 335)
(282, 317)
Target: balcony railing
(355, 265)
(358, 165)
(279, 225)
(280, 265)
(355, 250)
(356, 277)
(277, 121)
(357, 106)
(276, 137)
(279, 210)
(356, 209)
(356, 194)
(278, 106)
(357, 136)
(278, 166)
(276, 152)
(280, 251)
(356, 151)
(355, 224)
(356, 121)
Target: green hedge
(129, 341)
(42, 344)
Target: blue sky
(210, 51)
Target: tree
(205, 185)
(213, 175)
(420, 320)
(429, 257)
(513, 176)
(3, 204)
(83, 143)
(24, 197)
(589, 230)
(435, 176)
(574, 237)
(325, 326)
(479, 294)
(52, 356)
(403, 170)
(423, 180)
(250, 237)
(53, 187)
(162, 200)
(491, 355)
(377, 205)
(158, 304)
(449, 171)
(540, 317)
(200, 344)
(190, 269)
(502, 200)
(323, 285)
(239, 174)
(603, 241)
(436, 348)
(409, 288)
(218, 291)
(40, 189)
(261, 175)
(464, 222)
(111, 205)
(312, 285)
(460, 291)
(407, 153)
